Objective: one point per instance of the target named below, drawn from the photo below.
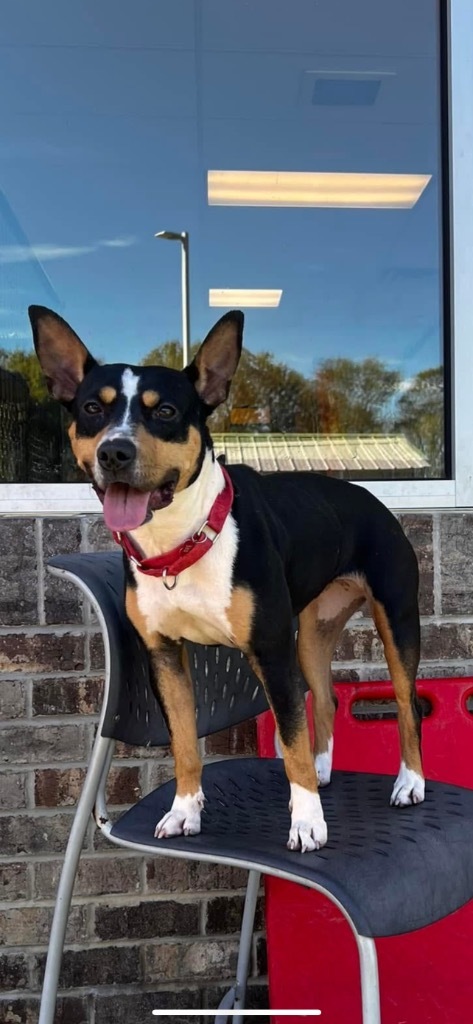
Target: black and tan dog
(221, 557)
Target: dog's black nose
(116, 455)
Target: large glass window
(299, 146)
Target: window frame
(457, 491)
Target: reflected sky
(112, 114)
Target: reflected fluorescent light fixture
(315, 188)
(264, 298)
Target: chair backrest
(369, 742)
(226, 689)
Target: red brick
(99, 537)
(456, 562)
(444, 641)
(69, 1010)
(261, 956)
(96, 876)
(13, 972)
(41, 652)
(418, 529)
(148, 753)
(97, 965)
(257, 997)
(444, 670)
(18, 573)
(14, 881)
(61, 787)
(13, 694)
(27, 744)
(239, 739)
(205, 959)
(123, 785)
(12, 791)
(62, 599)
(23, 833)
(146, 920)
(78, 696)
(168, 874)
(350, 675)
(73, 1010)
(130, 1008)
(56, 787)
(160, 771)
(97, 656)
(31, 926)
(358, 644)
(224, 915)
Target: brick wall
(142, 934)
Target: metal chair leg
(68, 874)
(246, 936)
(369, 980)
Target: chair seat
(392, 869)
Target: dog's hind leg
(320, 625)
(399, 631)
(274, 664)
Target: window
(303, 148)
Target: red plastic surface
(425, 977)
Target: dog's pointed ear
(215, 363)
(63, 357)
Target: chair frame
(93, 802)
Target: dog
(220, 555)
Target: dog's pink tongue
(124, 507)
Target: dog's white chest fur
(195, 609)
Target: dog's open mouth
(126, 508)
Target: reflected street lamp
(183, 238)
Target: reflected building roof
(336, 453)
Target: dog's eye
(164, 412)
(92, 408)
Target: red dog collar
(174, 562)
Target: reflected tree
(420, 415)
(260, 383)
(354, 397)
(169, 353)
(26, 364)
(33, 445)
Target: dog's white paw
(307, 836)
(184, 817)
(323, 764)
(409, 788)
(308, 828)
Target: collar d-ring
(169, 586)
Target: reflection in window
(299, 146)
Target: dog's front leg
(176, 695)
(274, 665)
(174, 689)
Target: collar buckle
(199, 537)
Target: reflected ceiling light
(266, 298)
(315, 188)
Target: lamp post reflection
(183, 238)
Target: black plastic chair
(246, 816)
